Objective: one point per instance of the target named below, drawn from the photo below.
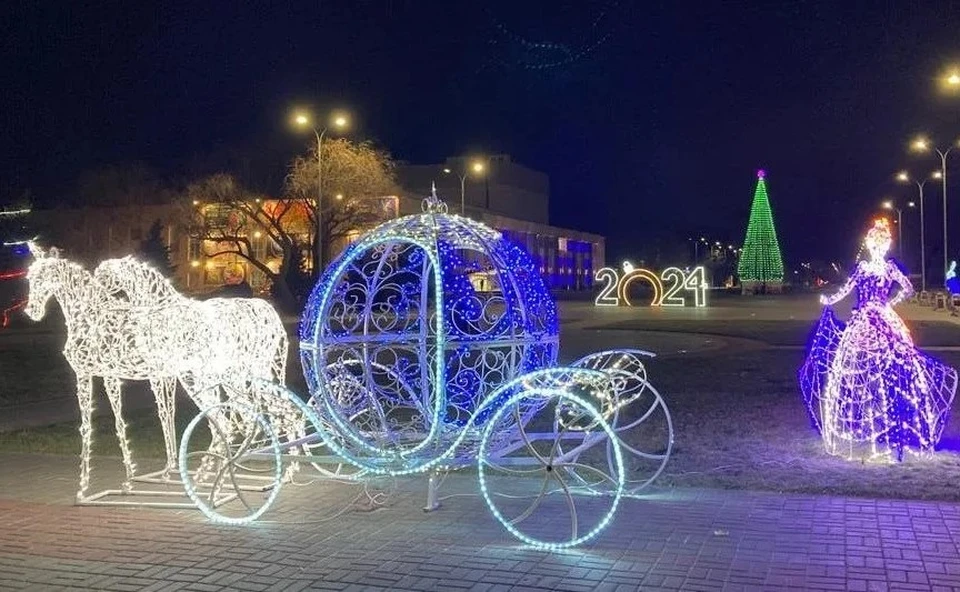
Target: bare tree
(357, 180)
(228, 219)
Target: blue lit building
(515, 200)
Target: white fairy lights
(126, 322)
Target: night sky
(650, 118)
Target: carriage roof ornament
(433, 204)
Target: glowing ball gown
(868, 389)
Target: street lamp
(338, 121)
(477, 167)
(922, 144)
(904, 177)
(889, 205)
(950, 80)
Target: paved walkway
(672, 540)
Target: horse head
(117, 276)
(133, 280)
(44, 278)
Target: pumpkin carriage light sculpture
(410, 369)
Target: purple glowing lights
(869, 391)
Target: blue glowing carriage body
(431, 344)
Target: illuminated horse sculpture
(216, 347)
(99, 344)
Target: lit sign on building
(615, 291)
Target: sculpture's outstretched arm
(844, 290)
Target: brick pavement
(671, 540)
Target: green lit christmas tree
(761, 265)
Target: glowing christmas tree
(761, 265)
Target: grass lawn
(143, 431)
(738, 416)
(740, 423)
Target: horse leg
(164, 391)
(85, 400)
(112, 386)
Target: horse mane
(139, 281)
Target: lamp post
(696, 248)
(921, 144)
(889, 205)
(904, 177)
(478, 168)
(339, 122)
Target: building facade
(515, 200)
(504, 195)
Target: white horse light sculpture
(98, 344)
(204, 343)
(214, 347)
(126, 322)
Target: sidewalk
(673, 540)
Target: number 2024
(615, 292)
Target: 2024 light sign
(615, 292)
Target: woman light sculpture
(401, 347)
(867, 387)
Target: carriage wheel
(230, 463)
(638, 415)
(335, 470)
(532, 486)
(644, 432)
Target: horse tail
(279, 343)
(279, 365)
